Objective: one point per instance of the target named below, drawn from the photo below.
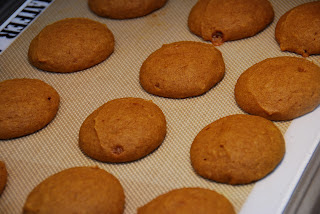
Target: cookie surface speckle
(237, 149)
(77, 190)
(70, 45)
(220, 21)
(123, 130)
(123, 9)
(280, 88)
(26, 106)
(298, 30)
(182, 69)
(188, 201)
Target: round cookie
(182, 69)
(77, 190)
(237, 149)
(188, 201)
(3, 176)
(219, 21)
(280, 88)
(123, 9)
(26, 106)
(71, 44)
(298, 30)
(123, 130)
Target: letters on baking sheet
(20, 20)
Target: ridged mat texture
(33, 158)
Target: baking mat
(33, 158)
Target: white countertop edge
(271, 194)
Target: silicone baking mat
(33, 158)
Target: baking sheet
(33, 158)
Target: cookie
(123, 9)
(237, 149)
(3, 176)
(220, 21)
(188, 201)
(123, 130)
(280, 88)
(77, 190)
(26, 106)
(182, 69)
(71, 44)
(298, 30)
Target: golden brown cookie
(280, 88)
(77, 190)
(123, 130)
(3, 176)
(188, 201)
(219, 21)
(26, 105)
(182, 69)
(298, 30)
(123, 9)
(71, 44)
(237, 149)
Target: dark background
(8, 7)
